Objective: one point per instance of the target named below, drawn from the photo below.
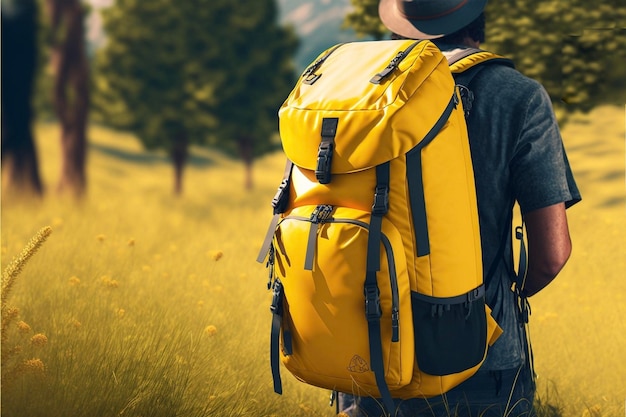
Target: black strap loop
(277, 318)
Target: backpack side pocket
(450, 333)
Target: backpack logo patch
(358, 364)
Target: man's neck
(467, 43)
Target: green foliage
(364, 19)
(204, 70)
(256, 79)
(574, 49)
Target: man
(518, 156)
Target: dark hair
(475, 30)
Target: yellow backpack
(374, 250)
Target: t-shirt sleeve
(540, 170)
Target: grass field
(142, 304)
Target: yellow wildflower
(101, 237)
(173, 248)
(39, 340)
(131, 242)
(120, 312)
(216, 255)
(200, 303)
(11, 313)
(146, 268)
(33, 365)
(74, 281)
(108, 282)
(211, 330)
(23, 327)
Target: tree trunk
(245, 151)
(179, 154)
(20, 169)
(71, 91)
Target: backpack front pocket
(320, 259)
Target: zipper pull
(315, 214)
(321, 214)
(324, 213)
(395, 319)
(393, 64)
(309, 74)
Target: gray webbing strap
(373, 311)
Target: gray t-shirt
(518, 155)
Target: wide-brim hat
(428, 19)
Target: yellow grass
(152, 305)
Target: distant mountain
(318, 23)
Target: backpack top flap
(366, 88)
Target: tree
(19, 58)
(258, 79)
(181, 73)
(71, 90)
(575, 50)
(364, 19)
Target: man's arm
(549, 246)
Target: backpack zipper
(393, 64)
(309, 74)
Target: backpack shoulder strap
(465, 64)
(462, 59)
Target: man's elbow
(559, 256)
(542, 270)
(549, 245)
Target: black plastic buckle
(524, 309)
(381, 200)
(324, 158)
(467, 98)
(280, 200)
(372, 303)
(277, 305)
